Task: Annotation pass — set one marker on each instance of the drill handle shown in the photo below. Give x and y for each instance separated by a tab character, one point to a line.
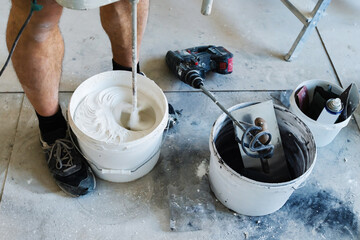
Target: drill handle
174	60
199	49
193	76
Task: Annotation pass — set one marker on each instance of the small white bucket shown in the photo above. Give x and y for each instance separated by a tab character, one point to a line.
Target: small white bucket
323	133
254	198
126	161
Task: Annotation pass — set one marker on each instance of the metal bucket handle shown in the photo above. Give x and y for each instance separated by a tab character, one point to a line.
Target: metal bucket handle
117	171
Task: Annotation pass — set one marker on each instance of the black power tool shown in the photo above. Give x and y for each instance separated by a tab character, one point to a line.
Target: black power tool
191	64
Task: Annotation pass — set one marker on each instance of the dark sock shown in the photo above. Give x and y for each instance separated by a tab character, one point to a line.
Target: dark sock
52	127
117	66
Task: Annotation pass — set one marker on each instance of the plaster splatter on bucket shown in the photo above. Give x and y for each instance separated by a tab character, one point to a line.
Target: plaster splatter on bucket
251	194
99	111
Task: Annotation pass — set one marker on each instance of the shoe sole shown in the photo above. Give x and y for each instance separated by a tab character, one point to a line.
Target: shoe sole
74	195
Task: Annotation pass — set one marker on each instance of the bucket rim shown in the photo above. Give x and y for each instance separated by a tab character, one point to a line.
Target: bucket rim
128	144
293	182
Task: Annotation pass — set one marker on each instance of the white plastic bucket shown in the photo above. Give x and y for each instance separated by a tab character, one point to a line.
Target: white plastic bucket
323	133
125	161
254	198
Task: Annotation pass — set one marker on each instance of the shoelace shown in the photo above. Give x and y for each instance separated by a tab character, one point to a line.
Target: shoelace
61	150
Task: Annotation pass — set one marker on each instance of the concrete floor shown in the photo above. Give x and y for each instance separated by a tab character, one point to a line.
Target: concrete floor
259	33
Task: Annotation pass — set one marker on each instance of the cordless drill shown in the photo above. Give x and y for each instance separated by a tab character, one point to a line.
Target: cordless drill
190	65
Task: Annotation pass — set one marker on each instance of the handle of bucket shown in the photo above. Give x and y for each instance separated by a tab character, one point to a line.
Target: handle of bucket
129	172
122	171
77	148
112	171
115	171
301	185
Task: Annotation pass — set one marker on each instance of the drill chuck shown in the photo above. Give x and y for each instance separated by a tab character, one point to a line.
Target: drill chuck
194	79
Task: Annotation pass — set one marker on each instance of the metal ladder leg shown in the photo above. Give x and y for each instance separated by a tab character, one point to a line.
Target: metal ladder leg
309	25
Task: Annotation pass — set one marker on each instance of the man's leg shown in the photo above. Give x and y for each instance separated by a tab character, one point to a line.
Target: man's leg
37	60
116	21
38	56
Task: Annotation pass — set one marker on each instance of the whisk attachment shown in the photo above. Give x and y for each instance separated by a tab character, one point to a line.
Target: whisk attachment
263	150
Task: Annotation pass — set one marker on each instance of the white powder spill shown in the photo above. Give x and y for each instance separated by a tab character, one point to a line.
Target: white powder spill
104	115
202	169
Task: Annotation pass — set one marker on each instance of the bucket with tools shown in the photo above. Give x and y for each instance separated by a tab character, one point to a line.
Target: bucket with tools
251	191
310	100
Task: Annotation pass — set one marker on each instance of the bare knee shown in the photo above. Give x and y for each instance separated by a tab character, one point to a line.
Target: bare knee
118	15
42	22
116	21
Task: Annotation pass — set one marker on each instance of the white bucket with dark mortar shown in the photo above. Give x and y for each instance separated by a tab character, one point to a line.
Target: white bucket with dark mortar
255	198
126	161
323	133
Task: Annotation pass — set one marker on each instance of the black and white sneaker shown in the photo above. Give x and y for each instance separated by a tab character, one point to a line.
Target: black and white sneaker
68	167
